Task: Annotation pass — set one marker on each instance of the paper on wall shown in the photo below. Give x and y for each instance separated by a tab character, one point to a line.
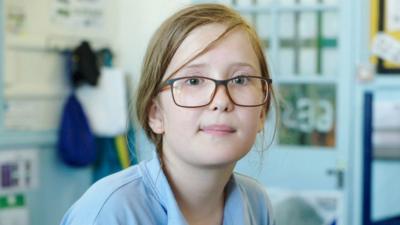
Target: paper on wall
393	15
386	47
32	114
13	210
79	13
386	115
18	170
16	16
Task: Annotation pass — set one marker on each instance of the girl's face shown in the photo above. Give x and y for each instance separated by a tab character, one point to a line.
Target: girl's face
220	133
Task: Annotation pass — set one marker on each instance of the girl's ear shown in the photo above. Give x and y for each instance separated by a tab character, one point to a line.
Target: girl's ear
156	121
261	120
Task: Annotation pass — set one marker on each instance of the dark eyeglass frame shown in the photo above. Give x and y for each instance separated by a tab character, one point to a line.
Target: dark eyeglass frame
169	84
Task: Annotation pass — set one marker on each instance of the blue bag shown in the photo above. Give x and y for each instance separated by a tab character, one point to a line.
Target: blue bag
76	142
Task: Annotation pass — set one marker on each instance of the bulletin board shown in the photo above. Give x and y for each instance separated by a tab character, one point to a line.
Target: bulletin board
33	78
385	21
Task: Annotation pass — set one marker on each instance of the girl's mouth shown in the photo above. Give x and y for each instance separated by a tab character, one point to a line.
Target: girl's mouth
218	129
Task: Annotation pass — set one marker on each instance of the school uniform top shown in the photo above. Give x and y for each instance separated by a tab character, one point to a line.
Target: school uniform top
141	195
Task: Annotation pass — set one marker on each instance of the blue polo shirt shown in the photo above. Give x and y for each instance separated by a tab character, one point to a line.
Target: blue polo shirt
141	195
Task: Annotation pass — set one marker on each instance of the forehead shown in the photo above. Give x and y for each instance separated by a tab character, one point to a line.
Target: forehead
235	47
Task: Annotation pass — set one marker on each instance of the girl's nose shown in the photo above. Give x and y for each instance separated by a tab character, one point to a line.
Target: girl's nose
221	101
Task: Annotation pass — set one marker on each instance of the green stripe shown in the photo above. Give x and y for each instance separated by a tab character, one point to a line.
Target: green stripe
297	44
307	43
319	41
12	201
329	42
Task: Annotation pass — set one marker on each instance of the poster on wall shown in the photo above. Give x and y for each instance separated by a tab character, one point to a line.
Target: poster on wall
18	170
385	36
79	13
307	115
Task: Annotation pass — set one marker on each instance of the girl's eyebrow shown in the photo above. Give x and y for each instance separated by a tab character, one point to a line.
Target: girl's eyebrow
234	64
202	67
195	66
242	64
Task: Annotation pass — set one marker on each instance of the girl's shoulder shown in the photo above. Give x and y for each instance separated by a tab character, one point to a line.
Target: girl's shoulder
255	198
124	191
249	184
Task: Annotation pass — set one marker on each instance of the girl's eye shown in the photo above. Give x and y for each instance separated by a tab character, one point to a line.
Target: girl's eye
240	80
193	81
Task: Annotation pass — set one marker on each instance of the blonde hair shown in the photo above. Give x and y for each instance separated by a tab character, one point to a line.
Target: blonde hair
167	40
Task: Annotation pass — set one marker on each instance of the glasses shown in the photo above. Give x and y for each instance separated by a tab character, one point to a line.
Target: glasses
198	91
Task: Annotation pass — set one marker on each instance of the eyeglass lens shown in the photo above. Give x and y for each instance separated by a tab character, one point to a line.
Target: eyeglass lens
197	91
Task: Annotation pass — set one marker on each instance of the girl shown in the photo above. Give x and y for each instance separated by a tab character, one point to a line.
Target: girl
204	94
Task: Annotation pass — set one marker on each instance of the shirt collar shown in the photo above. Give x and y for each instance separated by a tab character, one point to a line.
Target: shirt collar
233	210
234	204
159	183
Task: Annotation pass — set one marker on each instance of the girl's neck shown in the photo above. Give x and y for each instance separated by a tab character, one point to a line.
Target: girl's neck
199	192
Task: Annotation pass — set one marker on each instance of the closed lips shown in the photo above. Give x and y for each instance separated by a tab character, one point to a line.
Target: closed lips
218	129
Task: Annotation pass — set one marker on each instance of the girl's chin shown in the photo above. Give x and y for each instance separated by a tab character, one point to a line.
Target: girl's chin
220	160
